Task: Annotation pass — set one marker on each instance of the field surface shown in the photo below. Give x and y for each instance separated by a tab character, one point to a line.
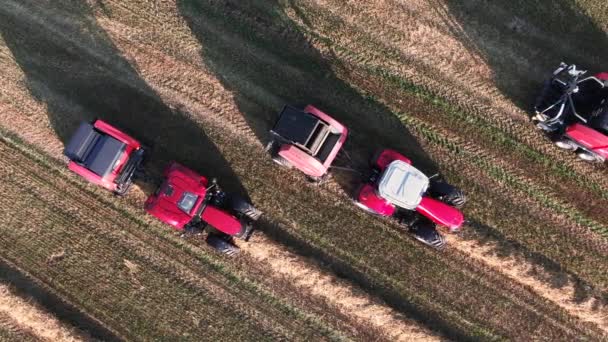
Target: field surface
448	83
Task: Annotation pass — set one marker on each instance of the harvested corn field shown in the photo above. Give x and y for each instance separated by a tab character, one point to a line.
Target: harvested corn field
448	83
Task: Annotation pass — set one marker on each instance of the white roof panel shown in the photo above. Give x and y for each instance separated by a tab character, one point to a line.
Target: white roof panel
403	185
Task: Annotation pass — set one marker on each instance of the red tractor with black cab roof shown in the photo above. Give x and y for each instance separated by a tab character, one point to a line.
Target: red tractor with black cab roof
104	155
308	140
190	203
395	188
573	111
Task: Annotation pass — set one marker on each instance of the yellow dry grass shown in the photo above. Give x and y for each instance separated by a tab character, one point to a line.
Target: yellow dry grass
31	318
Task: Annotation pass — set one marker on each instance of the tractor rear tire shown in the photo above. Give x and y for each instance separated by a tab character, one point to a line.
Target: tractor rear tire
448	193
426	232
565	144
242	206
222	244
589	157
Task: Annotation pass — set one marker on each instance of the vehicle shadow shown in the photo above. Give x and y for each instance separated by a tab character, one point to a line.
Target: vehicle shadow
72	66
549	271
256	52
523	42
27	288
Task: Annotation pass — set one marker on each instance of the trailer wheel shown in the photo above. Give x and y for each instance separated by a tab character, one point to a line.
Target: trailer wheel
222	244
242	206
425	232
447	193
271	147
282	161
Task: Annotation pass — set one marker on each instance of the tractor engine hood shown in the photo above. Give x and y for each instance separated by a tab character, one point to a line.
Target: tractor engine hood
221	220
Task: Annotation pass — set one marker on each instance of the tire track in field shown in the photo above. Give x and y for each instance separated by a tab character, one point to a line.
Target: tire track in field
28	317
11	331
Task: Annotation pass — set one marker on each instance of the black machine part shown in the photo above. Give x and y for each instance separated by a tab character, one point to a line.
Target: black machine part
222	243
305	131
96	151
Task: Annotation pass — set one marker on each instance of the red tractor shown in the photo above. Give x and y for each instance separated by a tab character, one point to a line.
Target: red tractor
189	202
573	111
104	155
397	189
308	140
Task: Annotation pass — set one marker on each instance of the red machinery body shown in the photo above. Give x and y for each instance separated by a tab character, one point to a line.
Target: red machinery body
183	197
370	194
574	111
309	139
104	155
589	139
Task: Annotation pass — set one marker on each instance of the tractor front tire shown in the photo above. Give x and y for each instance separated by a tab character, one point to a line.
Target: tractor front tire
222	244
565	144
242	206
426	232
366	208
589	157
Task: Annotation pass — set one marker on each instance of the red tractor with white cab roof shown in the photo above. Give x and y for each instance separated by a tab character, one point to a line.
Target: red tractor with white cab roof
104	155
573	111
190	203
397	189
308	140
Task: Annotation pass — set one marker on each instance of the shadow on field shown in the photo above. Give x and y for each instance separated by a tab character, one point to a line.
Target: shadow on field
257	53
25	287
72	66
551	272
524	41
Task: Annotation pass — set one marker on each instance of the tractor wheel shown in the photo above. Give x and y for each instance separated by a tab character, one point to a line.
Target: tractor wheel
565	144
425	232
282	161
448	193
222	244
242	206
366	208
588	156
122	189
271	147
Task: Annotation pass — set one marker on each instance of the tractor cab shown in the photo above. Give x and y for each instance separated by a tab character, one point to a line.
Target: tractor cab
308	140
189	202
179	198
104	155
403	185
397	189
